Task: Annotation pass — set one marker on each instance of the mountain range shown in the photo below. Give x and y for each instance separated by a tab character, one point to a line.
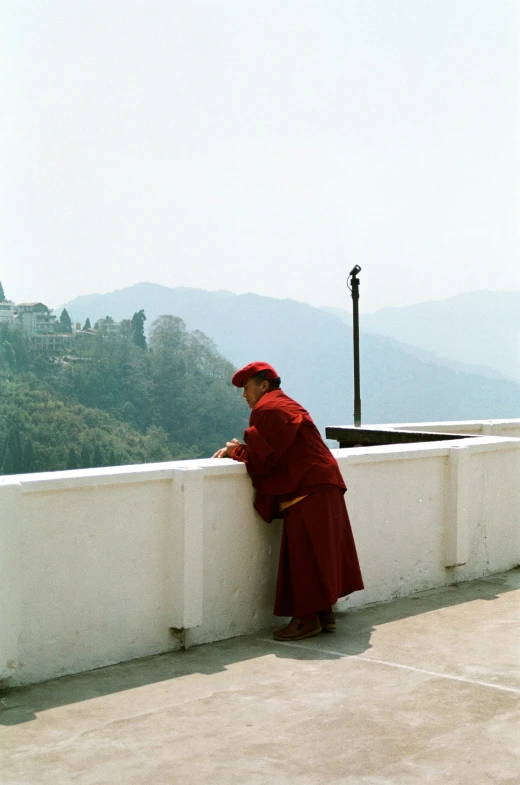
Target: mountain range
481	328
312	350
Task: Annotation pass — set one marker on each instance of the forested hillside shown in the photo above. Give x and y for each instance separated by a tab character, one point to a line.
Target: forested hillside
114	399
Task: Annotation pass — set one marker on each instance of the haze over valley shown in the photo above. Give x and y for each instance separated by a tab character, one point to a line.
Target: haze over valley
312	350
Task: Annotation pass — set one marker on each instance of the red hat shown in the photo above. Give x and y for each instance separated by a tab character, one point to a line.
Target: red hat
253	369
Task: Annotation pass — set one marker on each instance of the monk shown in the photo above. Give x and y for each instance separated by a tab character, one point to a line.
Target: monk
296	477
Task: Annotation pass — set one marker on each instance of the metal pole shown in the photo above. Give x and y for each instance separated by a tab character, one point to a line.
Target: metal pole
355	313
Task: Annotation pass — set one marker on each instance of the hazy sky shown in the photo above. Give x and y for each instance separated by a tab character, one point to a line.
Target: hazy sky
260	145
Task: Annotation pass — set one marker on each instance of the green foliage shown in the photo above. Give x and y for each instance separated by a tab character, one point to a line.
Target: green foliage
137	326
84	460
72	459
158	446
16	456
191	394
41	366
7	466
9	355
115	378
29	458
87	325
98	459
2	295
110	401
54	426
15	447
65	322
14	348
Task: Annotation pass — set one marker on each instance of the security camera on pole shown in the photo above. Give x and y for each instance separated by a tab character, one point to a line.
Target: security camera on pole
353	285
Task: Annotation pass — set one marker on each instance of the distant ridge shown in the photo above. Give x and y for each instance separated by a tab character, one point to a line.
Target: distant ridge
312	350
481	328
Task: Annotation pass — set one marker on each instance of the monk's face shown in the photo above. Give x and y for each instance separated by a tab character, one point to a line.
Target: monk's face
253	391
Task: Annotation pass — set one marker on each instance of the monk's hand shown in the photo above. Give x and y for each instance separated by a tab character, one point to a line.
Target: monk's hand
225	452
230	446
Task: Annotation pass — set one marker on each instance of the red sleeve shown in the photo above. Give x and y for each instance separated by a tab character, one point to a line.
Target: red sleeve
266	442
240	453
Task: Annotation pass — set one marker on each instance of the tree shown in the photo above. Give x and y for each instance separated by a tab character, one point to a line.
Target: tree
41	366
9	355
114	376
7	466
65	321
2	295
54	425
14	340
190	394
158	444
172	402
29	459
14	445
87	325
97	460
72	460
84	460
138	336
19	343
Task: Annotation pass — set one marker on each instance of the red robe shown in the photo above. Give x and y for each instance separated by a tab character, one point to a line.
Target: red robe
286	457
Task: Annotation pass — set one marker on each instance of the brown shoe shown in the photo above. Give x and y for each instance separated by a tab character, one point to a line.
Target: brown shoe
296	630
327	620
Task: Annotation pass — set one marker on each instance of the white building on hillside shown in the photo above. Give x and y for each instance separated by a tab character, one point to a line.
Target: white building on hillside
107	326
7	312
36	318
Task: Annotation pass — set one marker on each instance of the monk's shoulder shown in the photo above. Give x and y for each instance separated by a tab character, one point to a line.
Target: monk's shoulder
278	407
274	405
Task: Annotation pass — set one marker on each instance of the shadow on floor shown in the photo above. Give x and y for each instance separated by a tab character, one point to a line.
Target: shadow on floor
355	627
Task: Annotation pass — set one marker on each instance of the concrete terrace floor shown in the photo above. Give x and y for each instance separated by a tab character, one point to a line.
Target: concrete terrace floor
425	689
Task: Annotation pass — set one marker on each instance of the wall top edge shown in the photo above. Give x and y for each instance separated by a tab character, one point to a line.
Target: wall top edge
120	475
396	452
512	423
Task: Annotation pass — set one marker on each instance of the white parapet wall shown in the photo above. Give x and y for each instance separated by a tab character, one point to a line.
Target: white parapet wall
509	428
105	565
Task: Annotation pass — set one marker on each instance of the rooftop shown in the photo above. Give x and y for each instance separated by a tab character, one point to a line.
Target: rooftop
424	689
